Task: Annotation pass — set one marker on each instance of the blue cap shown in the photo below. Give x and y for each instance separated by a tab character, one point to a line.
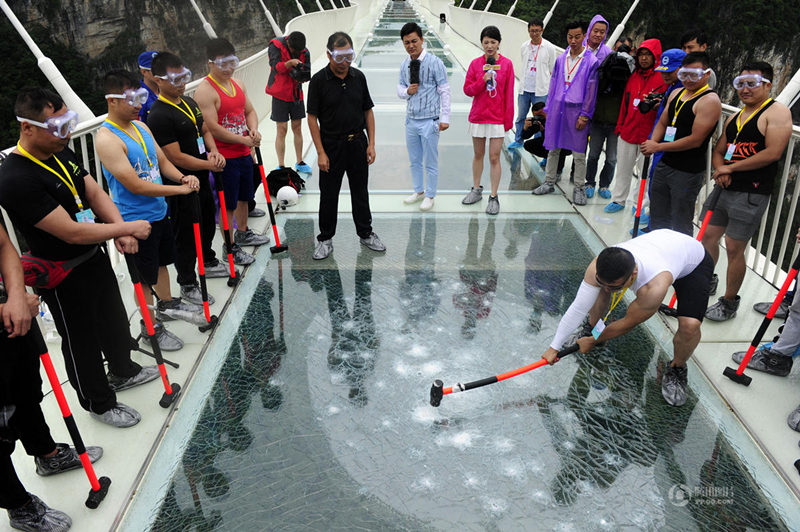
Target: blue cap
146	59
671	60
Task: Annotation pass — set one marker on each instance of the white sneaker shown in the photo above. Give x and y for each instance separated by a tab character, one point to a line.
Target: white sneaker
427	204
413	198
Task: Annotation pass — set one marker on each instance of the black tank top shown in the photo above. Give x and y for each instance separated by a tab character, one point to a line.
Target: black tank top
749	142
692	160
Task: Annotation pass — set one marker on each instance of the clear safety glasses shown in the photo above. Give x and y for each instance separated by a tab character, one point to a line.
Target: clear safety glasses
751	81
230	62
340	56
692	74
59	126
178	78
133	97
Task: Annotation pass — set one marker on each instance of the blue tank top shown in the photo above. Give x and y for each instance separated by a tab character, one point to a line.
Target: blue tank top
135	206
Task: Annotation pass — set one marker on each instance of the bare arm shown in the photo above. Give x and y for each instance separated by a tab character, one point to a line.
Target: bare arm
20	307
251	118
208	100
59	224
778	127
101	204
322	157
718	153
705	121
370	119
647	301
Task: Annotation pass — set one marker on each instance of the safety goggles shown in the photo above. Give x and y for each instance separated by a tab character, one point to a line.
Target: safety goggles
692	74
340	56
178	78
59	126
751	81
133	97
611	287
230	62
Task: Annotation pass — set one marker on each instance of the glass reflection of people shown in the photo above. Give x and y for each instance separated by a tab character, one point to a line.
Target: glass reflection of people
479	275
419	290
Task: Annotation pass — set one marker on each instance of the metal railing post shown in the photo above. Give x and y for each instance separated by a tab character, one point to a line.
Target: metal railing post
275	29
549	14
206	26
511	9
621	26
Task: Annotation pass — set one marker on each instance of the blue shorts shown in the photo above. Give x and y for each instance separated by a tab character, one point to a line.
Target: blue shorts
237	181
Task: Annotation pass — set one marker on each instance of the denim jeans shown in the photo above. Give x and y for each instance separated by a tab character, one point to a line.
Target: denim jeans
524	103
599	134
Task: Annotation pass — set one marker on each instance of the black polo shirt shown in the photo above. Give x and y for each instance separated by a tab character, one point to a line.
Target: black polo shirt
169	125
339	104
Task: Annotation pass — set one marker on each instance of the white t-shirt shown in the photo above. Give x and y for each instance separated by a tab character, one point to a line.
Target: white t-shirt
663	250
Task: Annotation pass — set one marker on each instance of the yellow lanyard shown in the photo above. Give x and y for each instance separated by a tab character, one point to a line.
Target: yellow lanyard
190	114
140	142
616	298
679	104
739	126
233	87
68	181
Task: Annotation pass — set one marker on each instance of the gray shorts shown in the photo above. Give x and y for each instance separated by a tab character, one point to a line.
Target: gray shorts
282	111
739	212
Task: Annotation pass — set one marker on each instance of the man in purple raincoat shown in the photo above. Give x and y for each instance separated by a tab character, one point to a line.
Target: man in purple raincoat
598	29
569	109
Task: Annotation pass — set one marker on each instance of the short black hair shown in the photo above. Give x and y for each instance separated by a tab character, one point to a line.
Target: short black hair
625	40
219	48
339	39
409	28
163	61
296	41
694	34
614	263
575	24
492	32
32	101
759	66
535	22
116	81
697	57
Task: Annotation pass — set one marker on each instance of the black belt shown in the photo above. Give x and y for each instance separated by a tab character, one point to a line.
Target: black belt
349	137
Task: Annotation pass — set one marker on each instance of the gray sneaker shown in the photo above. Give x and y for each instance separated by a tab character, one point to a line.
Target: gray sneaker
241	257
474	196
166	340
215	269
544	188
146	374
781	313
766	360
373	242
494	205
794	419
192	294
712	287
37	516
673	385
579	196
176	308
65	459
249	238
723	310
120	415
323	249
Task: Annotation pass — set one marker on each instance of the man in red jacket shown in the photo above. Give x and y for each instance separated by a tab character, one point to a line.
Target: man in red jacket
634	126
290	65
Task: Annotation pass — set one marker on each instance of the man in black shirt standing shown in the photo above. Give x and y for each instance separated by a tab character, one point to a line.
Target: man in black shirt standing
64	214
178	127
339	108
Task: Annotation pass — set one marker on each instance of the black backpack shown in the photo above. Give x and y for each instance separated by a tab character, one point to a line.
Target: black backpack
614	72
282	177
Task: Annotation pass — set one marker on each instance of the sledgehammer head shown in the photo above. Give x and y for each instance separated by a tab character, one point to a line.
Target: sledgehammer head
437	392
278	249
96	497
735	377
168	398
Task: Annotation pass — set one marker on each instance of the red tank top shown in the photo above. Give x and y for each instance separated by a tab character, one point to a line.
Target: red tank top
230	115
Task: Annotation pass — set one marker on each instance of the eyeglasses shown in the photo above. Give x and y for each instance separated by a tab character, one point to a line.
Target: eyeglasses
133	97
535	31
178	78
59	126
612	287
692	74
751	81
230	62
340	56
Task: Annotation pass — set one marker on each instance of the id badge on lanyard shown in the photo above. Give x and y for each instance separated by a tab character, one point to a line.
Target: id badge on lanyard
154	174
85	216
669	136
201	145
598	329
729	152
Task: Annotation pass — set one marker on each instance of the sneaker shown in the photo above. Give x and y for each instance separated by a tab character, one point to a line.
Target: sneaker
766	360
793	420
427	204
673	385
146	374
579	196
191	294
256	213
241	257
167	341
723	309
323	249
214	269
37	516
544	188
65	459
515	145
302	168
373	242
249	238
589	190
413	198
613	207
493	207
604	193
164	309
474	196
712	286
119	415
781	313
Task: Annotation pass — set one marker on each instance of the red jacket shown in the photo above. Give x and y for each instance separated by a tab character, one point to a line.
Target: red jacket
634	126
280	84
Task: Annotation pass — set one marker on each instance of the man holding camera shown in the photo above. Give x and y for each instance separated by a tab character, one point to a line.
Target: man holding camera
290	65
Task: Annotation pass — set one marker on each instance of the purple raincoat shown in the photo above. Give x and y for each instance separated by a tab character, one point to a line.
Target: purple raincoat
566	104
603	50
